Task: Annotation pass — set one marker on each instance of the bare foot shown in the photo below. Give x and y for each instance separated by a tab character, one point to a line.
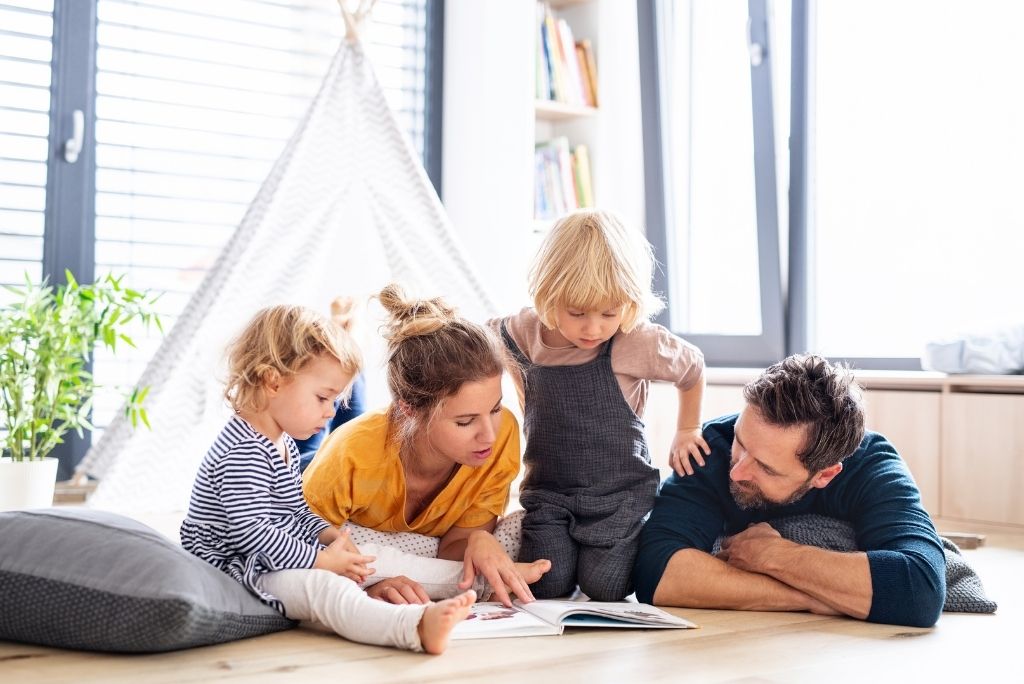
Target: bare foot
440	618
532	572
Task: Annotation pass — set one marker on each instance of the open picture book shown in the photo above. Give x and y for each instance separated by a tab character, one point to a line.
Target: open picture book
545	618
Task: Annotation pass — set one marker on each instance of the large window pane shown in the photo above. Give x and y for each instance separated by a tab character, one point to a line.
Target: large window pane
710	179
918	226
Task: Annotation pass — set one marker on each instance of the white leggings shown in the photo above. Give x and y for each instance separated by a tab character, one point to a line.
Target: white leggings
414	556
325	599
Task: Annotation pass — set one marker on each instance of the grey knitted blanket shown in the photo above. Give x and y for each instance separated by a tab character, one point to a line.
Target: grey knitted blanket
964	592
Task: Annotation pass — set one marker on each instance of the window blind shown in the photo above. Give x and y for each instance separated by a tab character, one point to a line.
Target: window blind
194	102
26	31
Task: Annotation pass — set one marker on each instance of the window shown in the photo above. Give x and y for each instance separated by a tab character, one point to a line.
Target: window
193	102
917	228
26	30
720	256
901	220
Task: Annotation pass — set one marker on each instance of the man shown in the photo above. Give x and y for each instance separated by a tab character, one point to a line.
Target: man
798	447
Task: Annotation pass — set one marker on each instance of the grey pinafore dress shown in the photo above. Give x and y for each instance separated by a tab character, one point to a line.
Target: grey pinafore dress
589	481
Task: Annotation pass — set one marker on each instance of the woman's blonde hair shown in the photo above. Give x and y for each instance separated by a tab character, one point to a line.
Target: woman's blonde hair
432	352
590	260
277	343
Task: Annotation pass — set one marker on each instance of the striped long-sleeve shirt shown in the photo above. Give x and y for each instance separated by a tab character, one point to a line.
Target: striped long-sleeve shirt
247	515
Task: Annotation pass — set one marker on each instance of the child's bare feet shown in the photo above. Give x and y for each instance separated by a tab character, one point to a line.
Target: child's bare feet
440	618
532	572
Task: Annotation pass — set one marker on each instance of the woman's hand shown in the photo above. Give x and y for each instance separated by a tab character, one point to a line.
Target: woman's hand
485	556
398	590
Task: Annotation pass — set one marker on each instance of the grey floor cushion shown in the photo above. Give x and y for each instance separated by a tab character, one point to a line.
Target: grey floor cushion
94	580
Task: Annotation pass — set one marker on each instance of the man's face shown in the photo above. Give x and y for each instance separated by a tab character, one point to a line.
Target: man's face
765	469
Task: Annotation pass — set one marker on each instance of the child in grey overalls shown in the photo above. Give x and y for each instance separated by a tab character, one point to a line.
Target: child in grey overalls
587	354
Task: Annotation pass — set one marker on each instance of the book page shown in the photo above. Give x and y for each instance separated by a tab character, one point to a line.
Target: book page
617	614
493	620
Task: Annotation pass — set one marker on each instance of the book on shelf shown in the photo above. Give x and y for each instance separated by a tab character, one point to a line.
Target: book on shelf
545	74
574	84
581	174
566	70
589	66
562	178
550	618
566	179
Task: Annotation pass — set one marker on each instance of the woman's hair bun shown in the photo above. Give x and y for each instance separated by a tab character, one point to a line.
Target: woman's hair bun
412	317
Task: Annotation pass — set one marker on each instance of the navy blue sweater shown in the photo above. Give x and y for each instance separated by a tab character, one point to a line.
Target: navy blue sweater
874	492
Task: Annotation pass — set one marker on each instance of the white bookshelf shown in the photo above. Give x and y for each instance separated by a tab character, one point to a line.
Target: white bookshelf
578	123
549	110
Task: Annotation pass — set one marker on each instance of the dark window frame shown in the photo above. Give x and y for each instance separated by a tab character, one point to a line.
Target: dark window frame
719	350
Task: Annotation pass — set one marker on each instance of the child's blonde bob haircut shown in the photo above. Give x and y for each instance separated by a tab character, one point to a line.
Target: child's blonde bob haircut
277	343
591	261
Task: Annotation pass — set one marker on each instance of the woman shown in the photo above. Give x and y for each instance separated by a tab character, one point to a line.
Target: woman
439	461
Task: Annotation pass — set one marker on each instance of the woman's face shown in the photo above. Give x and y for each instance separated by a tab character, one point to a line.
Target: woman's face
464	429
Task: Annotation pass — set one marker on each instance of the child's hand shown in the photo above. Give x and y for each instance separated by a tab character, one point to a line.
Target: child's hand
330	534
688	443
350	546
340	560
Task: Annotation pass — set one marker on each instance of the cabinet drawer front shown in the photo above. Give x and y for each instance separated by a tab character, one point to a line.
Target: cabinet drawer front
983	460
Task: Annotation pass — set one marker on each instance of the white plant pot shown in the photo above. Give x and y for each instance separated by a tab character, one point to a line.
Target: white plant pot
27	484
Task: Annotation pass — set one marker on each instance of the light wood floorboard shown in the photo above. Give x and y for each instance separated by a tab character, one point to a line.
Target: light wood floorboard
730	646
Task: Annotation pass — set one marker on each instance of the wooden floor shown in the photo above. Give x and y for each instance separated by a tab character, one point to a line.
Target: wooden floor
730	646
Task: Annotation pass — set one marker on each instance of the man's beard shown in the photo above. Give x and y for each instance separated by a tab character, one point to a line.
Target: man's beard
753	497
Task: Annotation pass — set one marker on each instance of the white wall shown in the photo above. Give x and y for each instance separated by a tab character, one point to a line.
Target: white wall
487	176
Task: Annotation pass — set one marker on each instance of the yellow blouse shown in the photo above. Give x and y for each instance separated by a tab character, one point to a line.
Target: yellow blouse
357	475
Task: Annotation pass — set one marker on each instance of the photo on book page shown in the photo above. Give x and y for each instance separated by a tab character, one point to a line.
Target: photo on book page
493	621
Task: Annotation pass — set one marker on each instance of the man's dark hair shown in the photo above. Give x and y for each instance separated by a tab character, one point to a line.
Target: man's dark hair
805	389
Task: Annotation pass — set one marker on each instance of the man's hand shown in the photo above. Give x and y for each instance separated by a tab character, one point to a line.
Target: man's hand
761	549
751	549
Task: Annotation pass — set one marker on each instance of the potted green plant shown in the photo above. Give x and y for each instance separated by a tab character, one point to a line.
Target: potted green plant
47	338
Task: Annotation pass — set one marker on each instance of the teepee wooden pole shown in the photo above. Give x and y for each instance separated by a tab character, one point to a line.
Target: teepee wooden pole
354	18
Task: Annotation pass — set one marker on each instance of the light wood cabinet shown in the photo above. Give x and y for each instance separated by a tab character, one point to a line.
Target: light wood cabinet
983	457
910	421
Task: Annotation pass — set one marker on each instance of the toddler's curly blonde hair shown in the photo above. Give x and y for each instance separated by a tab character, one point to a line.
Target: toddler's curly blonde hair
277	343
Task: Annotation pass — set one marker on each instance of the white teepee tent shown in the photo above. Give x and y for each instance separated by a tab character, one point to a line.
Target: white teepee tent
346	209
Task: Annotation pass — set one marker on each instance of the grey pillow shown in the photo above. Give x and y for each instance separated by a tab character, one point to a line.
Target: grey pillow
94	580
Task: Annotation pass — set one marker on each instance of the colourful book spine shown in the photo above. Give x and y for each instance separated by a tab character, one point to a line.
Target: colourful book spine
588	97
588	51
544	54
581	172
574	87
568	184
555	59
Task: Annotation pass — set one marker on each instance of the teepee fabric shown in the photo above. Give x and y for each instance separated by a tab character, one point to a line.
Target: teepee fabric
346	209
